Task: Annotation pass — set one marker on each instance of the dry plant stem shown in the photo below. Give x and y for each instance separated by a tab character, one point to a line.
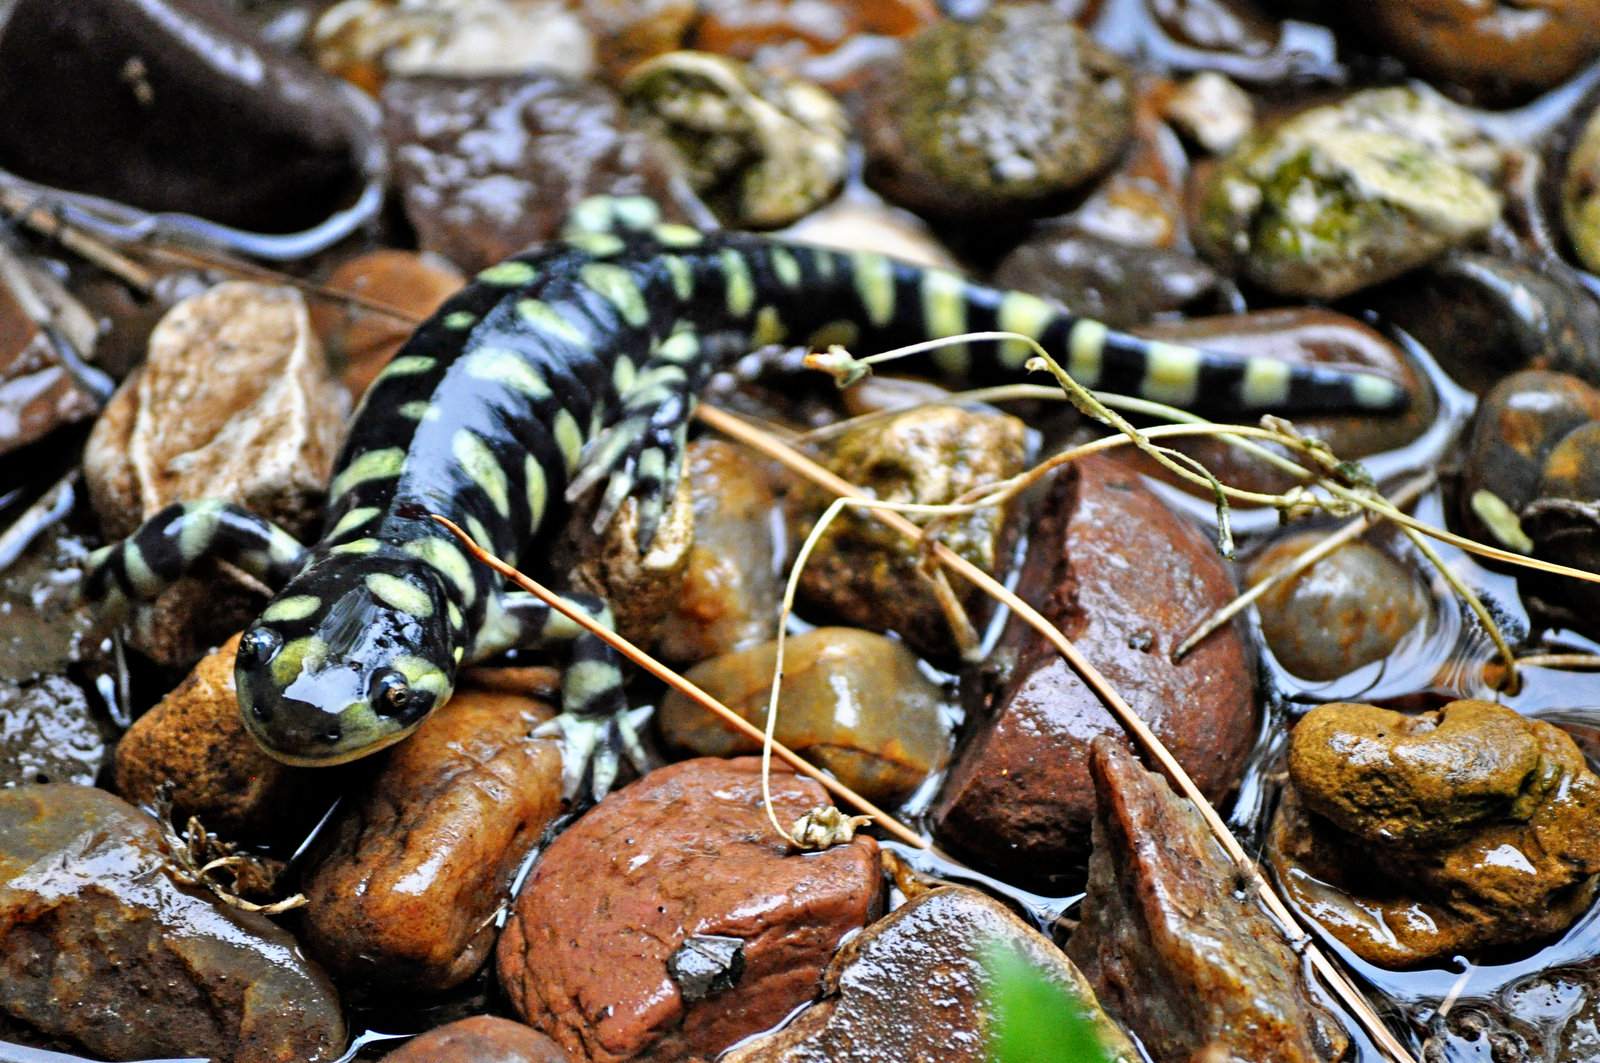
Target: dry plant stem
1326	969
683	686
1302	561
1586	661
42	220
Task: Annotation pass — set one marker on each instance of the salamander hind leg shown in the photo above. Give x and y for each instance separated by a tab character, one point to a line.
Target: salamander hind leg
594	726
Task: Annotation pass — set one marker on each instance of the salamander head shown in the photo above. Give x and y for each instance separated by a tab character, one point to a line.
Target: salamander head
350	657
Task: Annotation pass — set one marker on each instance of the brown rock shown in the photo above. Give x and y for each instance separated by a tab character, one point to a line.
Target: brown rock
853	701
404	888
1019	796
869	575
99	945
480	1039
640	587
1171	949
360	341
193	743
730	593
687	850
489	165
776	32
37	393
943	938
1416	838
236	403
628	32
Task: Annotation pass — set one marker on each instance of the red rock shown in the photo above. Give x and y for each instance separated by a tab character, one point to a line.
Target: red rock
480	1039
1126	579
687	850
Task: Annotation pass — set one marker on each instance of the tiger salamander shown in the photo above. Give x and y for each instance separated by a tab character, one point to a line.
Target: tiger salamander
561	369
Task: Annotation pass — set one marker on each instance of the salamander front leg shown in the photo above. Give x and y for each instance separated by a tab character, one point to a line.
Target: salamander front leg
170	544
594	728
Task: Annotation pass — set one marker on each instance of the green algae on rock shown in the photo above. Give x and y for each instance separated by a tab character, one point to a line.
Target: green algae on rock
1341	197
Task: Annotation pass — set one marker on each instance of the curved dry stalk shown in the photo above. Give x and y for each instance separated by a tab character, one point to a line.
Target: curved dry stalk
1587	661
1336	980
47	223
682	685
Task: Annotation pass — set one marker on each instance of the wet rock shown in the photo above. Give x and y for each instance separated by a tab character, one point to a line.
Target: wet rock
819	40
1122	286
942	939
405	883
360	341
1412	839
1002	116
1301	336
852	702
99	945
867	574
487	166
1580	192
38	390
44	627
1483	316
1553	1014
1141	202
48	733
1019	797
1195	968
1500	53
480	1039
198	114
1212	111
861	222
1342	197
686	850
193	746
1349	609
762	151
367	42
1514	435
730	594
1566	532
234	402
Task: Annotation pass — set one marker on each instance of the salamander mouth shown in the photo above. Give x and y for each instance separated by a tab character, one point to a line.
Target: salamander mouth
317	747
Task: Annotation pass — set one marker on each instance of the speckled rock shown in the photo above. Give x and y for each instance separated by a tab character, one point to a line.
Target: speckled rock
1412	839
762	151
867	574
404	884
1019	798
852	702
1349	609
1195	968
233	402
1342	197
193	743
101	947
687	850
49	734
939	942
730	593
1001	116
487	166
480	1039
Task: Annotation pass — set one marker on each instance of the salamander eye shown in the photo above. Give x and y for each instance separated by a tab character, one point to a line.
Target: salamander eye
390	693
259	644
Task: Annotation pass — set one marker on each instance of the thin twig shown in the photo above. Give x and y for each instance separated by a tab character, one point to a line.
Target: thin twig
1335	978
682	685
47	223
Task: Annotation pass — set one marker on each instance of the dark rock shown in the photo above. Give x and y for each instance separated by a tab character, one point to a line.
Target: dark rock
1412	839
488	165
44	627
869	575
197	113
852	701
1349	609
49	734
100	946
945	940
1553	1014
706	964
404	885
234	402
685	851
1194	967
1111	282
730	594
193	747
480	1039
1019	796
1003	116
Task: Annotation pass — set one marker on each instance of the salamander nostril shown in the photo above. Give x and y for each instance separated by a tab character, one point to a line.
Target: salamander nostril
391	694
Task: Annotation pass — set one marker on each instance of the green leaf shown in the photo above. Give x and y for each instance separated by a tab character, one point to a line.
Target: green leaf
1034	1018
